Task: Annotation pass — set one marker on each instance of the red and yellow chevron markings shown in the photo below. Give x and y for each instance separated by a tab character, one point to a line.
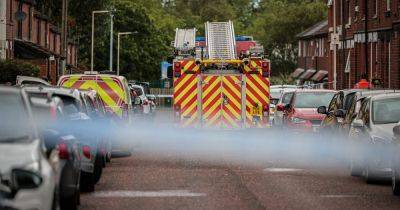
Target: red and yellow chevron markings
232	102
254	65
211	101
257	92
189	65
110	89
185	96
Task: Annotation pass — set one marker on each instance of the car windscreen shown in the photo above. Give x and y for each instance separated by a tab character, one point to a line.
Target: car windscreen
14	118
386	111
275	93
138	90
313	99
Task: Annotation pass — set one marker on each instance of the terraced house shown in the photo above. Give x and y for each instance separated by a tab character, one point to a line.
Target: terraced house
363	39
31	36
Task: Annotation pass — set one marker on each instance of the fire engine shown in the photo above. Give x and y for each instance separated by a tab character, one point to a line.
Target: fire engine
221	81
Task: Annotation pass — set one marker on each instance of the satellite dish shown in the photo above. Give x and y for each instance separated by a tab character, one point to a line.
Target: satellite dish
20	16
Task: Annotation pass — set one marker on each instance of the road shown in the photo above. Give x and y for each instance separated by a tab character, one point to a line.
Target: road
145	181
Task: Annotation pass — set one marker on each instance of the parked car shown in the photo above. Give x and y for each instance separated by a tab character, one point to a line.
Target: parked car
113	90
285	99
300	114
28	178
80	125
396	161
48	113
372	136
342	110
276	92
26	80
142	105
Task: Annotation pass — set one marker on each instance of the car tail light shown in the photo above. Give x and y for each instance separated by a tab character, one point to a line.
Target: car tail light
177	69
63	150
145	102
266	111
86	152
53	112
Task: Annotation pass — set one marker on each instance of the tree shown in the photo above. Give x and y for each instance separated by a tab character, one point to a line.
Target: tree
10	69
278	23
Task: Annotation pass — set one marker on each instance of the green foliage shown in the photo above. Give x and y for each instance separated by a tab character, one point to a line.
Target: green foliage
282	79
10	69
278	23
274	23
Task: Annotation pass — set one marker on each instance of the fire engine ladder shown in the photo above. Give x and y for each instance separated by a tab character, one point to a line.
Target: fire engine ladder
220	40
185	40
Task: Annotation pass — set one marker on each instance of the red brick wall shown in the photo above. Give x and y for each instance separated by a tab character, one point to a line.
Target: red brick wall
378	58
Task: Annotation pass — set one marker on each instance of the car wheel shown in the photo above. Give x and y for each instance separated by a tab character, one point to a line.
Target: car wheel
369	175
98	168
395	182
355	169
70	203
87	182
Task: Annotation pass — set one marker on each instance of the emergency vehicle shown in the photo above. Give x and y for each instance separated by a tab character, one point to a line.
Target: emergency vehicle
113	90
215	86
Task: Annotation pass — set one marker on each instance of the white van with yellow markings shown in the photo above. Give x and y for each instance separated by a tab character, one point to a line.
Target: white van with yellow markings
113	90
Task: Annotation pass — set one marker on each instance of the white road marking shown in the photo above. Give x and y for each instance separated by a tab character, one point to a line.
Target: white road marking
340	196
149	194
283	169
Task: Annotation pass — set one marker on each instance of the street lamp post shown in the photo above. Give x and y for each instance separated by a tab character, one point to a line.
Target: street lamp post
92	48
118	45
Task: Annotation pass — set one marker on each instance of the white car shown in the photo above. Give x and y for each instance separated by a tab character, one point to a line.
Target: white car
141	99
28	178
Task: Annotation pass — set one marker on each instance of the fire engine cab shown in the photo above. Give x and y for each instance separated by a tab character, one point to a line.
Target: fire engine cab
218	84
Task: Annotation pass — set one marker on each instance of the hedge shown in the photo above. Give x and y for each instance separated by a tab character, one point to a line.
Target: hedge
10	69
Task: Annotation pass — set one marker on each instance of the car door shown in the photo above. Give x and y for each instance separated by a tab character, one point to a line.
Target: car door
286	98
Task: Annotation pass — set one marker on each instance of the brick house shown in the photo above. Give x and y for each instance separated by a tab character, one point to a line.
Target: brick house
31	36
313	54
374	54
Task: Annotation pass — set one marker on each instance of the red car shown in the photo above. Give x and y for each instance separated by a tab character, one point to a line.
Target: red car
301	113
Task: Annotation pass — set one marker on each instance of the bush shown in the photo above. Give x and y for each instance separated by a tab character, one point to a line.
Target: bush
10	69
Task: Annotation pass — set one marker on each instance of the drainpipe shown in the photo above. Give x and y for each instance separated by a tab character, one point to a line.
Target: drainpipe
389	64
334	45
366	39
343	44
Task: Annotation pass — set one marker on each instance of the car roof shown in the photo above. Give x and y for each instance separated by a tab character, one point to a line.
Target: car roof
385	96
55	90
314	91
10	89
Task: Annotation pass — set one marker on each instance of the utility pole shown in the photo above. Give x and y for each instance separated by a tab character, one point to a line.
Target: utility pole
118	45
111	39
92	47
64	36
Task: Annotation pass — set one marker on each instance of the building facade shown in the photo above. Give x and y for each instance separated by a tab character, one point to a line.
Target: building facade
31	36
366	36
313	54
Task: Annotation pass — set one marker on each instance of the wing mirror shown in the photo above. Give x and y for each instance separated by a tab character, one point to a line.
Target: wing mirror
322	110
358	123
24	179
280	107
396	130
340	113
288	107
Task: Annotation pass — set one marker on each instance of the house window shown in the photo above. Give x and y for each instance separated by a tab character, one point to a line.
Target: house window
388	5
300	49
348	12
375	8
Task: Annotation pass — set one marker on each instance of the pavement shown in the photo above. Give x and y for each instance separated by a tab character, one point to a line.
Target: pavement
147	181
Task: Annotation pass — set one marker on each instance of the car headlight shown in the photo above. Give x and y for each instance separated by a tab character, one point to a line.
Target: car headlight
297	120
34	166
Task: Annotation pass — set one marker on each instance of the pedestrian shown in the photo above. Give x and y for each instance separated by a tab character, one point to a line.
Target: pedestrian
363	83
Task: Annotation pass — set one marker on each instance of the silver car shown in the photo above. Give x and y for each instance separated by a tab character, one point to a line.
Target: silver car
371	135
28	177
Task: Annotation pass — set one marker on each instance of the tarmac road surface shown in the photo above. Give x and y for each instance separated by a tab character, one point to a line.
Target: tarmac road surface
144	181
